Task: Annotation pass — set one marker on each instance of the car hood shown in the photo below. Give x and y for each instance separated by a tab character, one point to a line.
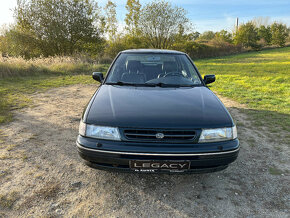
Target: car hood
157	107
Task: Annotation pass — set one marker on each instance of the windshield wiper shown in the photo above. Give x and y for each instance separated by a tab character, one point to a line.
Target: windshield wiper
168	85
187	85
160	84
120	83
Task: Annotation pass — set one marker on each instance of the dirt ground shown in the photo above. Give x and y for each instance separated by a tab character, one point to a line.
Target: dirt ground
42	175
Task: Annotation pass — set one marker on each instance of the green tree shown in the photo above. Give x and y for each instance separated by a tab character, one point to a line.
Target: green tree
59	27
279	34
19	43
264	32
124	42
194	35
160	23
207	35
247	36
183	37
224	35
288	37
132	17
111	20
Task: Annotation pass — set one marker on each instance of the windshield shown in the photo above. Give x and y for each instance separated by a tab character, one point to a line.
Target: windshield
153	69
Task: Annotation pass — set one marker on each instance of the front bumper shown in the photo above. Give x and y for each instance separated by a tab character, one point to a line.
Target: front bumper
116	155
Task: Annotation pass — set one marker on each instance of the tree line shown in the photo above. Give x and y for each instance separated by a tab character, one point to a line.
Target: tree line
70	27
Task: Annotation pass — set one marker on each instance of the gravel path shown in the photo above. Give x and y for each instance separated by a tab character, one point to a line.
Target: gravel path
42	175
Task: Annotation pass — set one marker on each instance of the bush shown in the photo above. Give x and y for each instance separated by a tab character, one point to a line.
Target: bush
124	43
206	36
247	36
113	48
105	60
279	34
212	49
223	36
264	33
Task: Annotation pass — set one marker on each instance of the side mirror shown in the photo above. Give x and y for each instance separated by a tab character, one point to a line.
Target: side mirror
209	79
98	76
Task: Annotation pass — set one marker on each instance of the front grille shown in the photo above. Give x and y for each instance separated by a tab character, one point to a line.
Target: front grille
164	135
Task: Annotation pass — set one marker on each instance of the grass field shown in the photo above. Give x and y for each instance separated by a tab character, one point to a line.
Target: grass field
258	79
261	80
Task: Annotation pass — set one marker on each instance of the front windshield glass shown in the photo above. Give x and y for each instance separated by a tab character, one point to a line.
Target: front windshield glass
153	69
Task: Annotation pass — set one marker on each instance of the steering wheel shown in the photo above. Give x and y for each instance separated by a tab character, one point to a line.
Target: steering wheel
173	74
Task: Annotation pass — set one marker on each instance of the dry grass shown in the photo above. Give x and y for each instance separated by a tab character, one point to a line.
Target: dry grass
17	66
7	201
46	61
8	154
3	173
49	191
10	147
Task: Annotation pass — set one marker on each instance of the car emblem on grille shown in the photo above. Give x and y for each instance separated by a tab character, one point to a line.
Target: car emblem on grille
159	135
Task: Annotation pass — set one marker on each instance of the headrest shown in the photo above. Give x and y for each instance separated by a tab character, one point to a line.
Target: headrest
169	66
133	66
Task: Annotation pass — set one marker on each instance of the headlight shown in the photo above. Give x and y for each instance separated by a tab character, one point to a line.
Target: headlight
216	135
99	132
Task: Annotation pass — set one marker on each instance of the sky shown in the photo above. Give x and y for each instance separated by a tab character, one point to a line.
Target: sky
204	14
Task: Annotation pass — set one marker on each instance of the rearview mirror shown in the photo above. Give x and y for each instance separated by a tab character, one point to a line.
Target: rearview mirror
98	76
209	79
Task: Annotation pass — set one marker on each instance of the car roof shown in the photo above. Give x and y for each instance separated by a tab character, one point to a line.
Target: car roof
157	51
